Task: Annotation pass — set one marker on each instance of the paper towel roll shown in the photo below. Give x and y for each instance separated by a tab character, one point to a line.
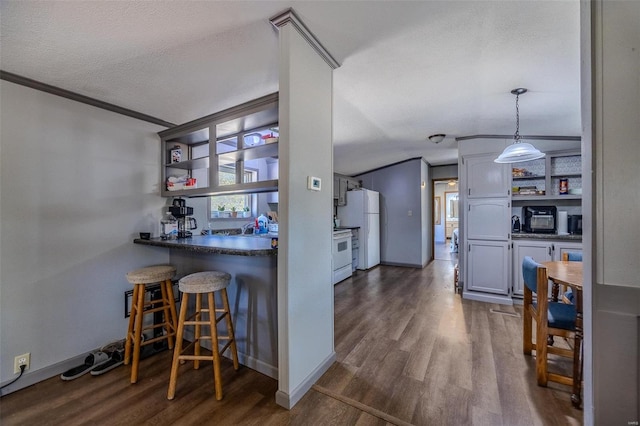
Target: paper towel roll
562	223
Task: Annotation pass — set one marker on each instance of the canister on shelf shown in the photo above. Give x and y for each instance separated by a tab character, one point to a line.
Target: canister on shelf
564	186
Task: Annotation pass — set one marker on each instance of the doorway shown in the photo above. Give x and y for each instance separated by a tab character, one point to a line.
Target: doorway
445	219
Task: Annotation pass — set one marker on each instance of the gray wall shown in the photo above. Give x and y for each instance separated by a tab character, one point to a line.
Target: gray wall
444	172
401	192
78	183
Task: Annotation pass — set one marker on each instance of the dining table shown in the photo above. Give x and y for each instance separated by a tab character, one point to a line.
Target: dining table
569	274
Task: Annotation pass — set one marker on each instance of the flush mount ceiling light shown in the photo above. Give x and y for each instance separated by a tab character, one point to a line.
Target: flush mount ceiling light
518	151
437	138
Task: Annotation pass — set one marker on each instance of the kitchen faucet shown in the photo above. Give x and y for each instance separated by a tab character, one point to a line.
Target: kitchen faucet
246	226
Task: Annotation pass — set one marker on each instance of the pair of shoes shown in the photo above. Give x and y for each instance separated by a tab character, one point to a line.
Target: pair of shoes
116	360
113	346
92	361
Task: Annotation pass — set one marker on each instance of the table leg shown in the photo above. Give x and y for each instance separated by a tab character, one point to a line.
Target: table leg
577	354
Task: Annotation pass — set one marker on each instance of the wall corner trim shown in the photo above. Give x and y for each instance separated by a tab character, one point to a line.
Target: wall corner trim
288	400
289	17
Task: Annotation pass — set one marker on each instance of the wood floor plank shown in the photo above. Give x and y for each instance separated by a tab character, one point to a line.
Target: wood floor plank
406	346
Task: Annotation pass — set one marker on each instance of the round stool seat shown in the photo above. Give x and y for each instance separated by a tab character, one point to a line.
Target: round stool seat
204	282
151	274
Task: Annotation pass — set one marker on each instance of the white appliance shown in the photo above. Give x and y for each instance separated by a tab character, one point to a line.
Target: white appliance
363	210
341	255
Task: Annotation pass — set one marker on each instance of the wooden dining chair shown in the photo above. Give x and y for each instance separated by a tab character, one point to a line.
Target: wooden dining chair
569	256
552	319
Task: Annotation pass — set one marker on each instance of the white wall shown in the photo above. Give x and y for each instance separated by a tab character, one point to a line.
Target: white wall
611	125
426	212
401	220
438	230
305	290
77	185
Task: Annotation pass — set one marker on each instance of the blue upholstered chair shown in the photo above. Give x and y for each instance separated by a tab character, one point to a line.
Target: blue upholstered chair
571	256
552	319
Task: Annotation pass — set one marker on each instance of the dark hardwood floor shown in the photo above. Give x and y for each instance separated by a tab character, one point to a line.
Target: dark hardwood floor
409	351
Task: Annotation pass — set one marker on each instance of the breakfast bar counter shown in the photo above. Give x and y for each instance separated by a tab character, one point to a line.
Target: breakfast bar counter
253	266
237	245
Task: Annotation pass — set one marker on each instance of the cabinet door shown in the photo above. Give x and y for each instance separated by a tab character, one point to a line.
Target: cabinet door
488	266
540	251
342	192
336	188
565	247
486	178
488	219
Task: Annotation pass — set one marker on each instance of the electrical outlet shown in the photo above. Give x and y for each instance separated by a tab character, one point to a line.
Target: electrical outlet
23	359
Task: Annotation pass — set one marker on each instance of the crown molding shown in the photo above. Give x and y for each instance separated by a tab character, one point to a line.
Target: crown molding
289	17
43	87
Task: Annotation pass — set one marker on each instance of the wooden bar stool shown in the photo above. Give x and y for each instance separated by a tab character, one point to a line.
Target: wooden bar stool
166	304
204	282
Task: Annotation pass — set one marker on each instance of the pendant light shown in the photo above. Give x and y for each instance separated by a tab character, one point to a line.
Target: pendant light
518	151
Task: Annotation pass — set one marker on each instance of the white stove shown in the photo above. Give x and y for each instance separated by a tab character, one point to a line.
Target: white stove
341	255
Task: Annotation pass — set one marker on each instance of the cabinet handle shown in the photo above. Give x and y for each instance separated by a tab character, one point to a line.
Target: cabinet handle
549	251
469	247
508	192
469	191
553	247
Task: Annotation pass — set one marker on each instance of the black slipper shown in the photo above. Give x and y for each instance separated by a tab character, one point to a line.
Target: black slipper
92	361
116	360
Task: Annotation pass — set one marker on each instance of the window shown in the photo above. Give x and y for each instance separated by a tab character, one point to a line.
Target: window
218	203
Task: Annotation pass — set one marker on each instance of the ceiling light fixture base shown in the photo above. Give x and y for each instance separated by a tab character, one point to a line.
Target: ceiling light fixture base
437	138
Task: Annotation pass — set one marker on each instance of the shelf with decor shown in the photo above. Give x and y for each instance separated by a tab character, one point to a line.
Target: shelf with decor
540	179
234	151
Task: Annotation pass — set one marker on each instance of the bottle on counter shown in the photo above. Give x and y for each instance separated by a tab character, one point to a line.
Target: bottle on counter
262	224
169	227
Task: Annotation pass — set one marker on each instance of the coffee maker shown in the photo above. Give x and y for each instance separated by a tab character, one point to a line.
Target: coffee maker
181	212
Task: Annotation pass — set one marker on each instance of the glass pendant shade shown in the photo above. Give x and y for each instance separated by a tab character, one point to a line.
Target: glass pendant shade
519	152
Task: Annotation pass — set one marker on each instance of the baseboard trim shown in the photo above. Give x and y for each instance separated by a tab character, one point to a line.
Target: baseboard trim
289	400
42	374
489	298
244	359
405	265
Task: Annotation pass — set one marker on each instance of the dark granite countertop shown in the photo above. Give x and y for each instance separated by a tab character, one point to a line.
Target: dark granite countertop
525	236
235	245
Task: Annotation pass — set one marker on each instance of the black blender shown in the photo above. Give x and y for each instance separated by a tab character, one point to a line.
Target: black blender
181	212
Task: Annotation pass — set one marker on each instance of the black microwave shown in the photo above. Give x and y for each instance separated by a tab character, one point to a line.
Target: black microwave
540	219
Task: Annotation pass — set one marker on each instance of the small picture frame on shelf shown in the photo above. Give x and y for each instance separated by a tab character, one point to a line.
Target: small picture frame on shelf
176	155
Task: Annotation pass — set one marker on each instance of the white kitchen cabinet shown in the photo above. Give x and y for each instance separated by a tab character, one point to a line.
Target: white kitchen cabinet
488	219
560	247
486	179
340	186
488	265
540	251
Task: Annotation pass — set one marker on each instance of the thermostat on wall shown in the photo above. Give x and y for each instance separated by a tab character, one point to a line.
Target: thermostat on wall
314	183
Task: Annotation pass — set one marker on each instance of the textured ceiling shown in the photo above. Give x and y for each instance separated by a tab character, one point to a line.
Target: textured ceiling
409	69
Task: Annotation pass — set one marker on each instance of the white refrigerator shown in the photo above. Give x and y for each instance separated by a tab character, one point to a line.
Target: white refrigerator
363	210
